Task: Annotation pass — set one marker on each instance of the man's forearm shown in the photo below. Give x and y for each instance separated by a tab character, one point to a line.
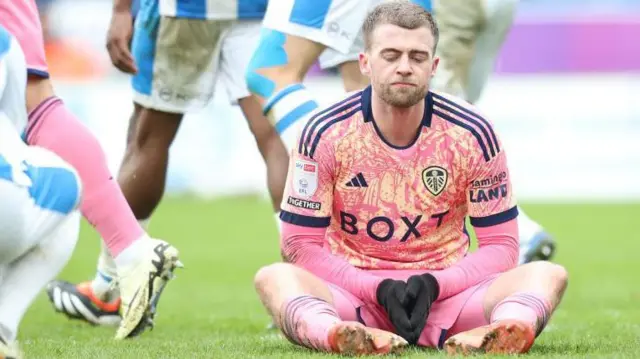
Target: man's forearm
497	253
303	247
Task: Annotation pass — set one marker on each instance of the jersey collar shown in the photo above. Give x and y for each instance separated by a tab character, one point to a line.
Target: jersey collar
367	115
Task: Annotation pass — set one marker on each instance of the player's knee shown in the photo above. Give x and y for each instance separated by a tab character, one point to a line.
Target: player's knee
70	189
59	184
555	275
270	67
268	275
559	276
269	53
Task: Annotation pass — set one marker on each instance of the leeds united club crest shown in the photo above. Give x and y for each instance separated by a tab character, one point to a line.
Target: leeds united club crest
435	179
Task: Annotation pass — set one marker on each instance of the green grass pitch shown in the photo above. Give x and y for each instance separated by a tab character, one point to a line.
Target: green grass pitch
211	309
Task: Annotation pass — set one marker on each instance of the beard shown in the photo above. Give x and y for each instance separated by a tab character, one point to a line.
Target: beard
404	96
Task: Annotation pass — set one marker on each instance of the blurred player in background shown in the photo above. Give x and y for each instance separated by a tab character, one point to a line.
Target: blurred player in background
373	218
144	264
296	34
179	50
472	34
39	220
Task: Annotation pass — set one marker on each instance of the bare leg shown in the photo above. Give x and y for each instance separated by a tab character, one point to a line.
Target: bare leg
301	54
284	99
270	146
352	77
144	168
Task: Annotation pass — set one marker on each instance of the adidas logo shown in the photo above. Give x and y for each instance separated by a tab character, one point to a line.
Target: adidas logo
358	181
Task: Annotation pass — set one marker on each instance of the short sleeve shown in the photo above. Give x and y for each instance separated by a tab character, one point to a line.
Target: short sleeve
490	198
308	195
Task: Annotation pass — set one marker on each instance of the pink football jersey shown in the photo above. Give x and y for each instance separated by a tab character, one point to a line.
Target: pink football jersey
387	207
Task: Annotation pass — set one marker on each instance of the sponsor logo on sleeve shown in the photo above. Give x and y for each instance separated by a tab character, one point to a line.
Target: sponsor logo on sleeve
490	181
490	188
305	178
478	195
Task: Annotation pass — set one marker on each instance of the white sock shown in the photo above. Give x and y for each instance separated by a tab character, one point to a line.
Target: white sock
26	277
527	228
288	109
105	274
107	268
132	253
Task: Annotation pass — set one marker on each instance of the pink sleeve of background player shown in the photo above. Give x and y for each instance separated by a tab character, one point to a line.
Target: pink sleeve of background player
303	246
497	252
22	20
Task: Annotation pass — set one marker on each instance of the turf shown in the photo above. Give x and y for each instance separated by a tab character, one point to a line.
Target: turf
211	309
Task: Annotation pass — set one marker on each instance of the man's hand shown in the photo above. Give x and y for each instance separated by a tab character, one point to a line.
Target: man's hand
408	304
391	295
422	291
118	39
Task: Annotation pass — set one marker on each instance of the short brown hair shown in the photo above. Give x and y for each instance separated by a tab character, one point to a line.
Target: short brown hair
402	13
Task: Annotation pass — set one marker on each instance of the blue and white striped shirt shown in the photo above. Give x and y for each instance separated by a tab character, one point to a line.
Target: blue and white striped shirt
214	9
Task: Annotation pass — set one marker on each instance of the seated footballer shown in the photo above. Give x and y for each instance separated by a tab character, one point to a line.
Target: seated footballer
373	217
